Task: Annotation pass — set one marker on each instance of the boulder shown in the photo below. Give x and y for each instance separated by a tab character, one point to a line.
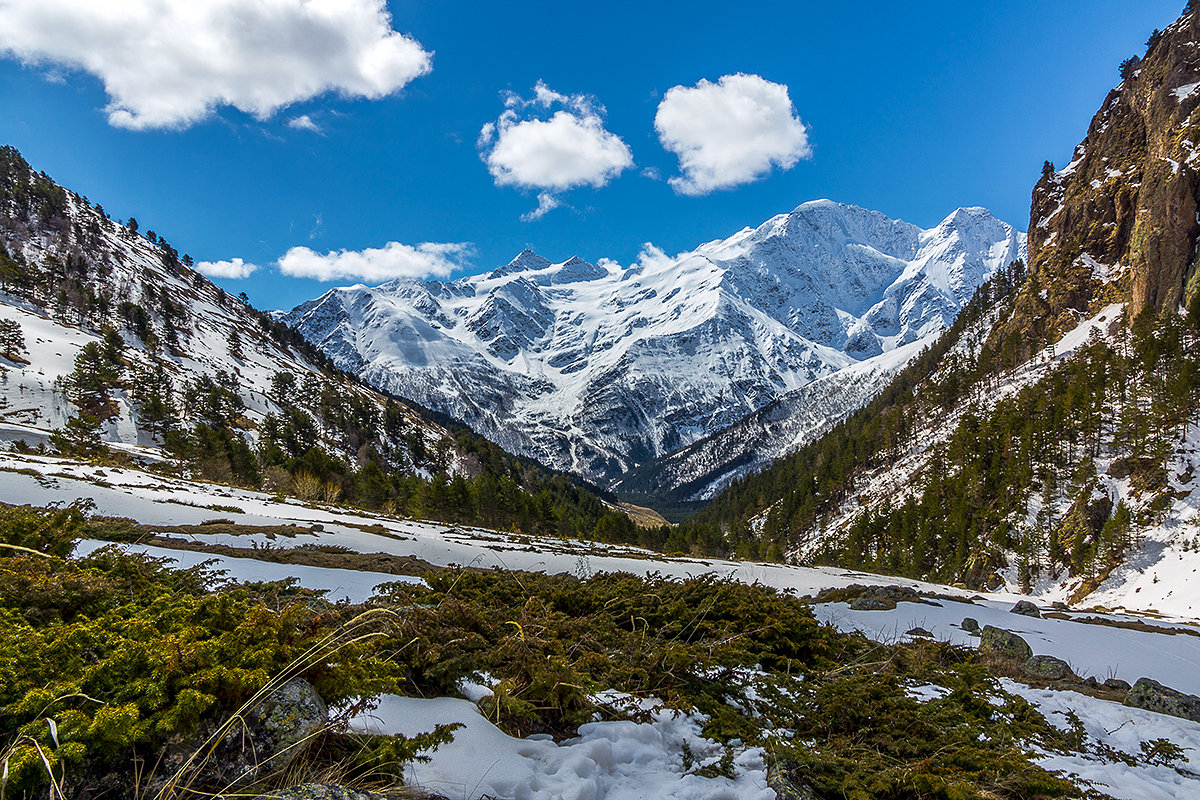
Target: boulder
919	632
1153	696
287	717
1005	644
871	604
1048	668
970	625
1117	684
270	734
1026	609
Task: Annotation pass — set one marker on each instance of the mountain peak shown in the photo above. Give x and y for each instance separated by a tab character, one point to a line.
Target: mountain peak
592	369
525	261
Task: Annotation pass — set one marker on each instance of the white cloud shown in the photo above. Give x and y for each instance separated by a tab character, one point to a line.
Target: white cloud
304	123
169	64
546	203
729	132
571	148
234	268
376	265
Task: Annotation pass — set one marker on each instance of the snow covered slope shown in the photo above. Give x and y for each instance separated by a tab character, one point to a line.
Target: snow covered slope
701	470
595	368
68	271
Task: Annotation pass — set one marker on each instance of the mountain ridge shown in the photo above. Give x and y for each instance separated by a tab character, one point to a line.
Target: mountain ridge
596	368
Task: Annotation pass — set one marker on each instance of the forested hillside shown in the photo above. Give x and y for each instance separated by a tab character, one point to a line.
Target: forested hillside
114	347
1050	436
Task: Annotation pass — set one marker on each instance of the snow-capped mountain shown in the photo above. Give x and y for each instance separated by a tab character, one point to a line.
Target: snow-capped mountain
595	368
698	472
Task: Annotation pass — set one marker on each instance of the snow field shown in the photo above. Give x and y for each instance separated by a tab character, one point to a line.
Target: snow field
620	760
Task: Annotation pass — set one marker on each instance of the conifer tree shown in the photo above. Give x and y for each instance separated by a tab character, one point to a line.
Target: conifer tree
12	339
79	437
234	343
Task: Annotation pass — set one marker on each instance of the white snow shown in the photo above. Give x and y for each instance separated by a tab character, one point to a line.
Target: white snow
1100	651
1125	729
621	760
572	362
1184	92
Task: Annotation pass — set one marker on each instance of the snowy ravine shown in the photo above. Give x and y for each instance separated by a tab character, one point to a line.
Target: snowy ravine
596	368
627	759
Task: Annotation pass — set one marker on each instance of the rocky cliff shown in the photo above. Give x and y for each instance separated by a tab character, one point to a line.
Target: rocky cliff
1120	221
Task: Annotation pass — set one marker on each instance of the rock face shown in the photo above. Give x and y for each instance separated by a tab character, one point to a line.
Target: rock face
1004	644
1120	221
1153	696
596	368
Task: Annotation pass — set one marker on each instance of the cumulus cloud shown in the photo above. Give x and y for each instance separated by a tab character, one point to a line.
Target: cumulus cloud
304	123
233	268
376	265
730	132
567	149
168	64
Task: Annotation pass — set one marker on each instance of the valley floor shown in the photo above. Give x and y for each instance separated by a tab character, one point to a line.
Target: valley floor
626	759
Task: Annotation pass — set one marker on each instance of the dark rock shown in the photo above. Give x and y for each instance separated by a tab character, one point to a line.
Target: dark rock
785	778
871	604
970	625
1059	605
1118	684
1091	681
1048	668
1005	644
919	632
1026	609
1153	696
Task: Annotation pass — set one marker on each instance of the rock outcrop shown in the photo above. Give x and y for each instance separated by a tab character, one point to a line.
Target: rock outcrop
1119	223
1153	696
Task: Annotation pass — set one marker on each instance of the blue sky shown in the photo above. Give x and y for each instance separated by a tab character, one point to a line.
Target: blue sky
912	109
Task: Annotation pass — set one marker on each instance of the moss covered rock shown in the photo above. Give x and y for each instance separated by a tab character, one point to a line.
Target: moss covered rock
1048	668
1005	644
1026	609
1153	696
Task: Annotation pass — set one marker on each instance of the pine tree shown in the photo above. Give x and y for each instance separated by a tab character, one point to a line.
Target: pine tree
89	384
153	393
234	343
80	437
12	340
